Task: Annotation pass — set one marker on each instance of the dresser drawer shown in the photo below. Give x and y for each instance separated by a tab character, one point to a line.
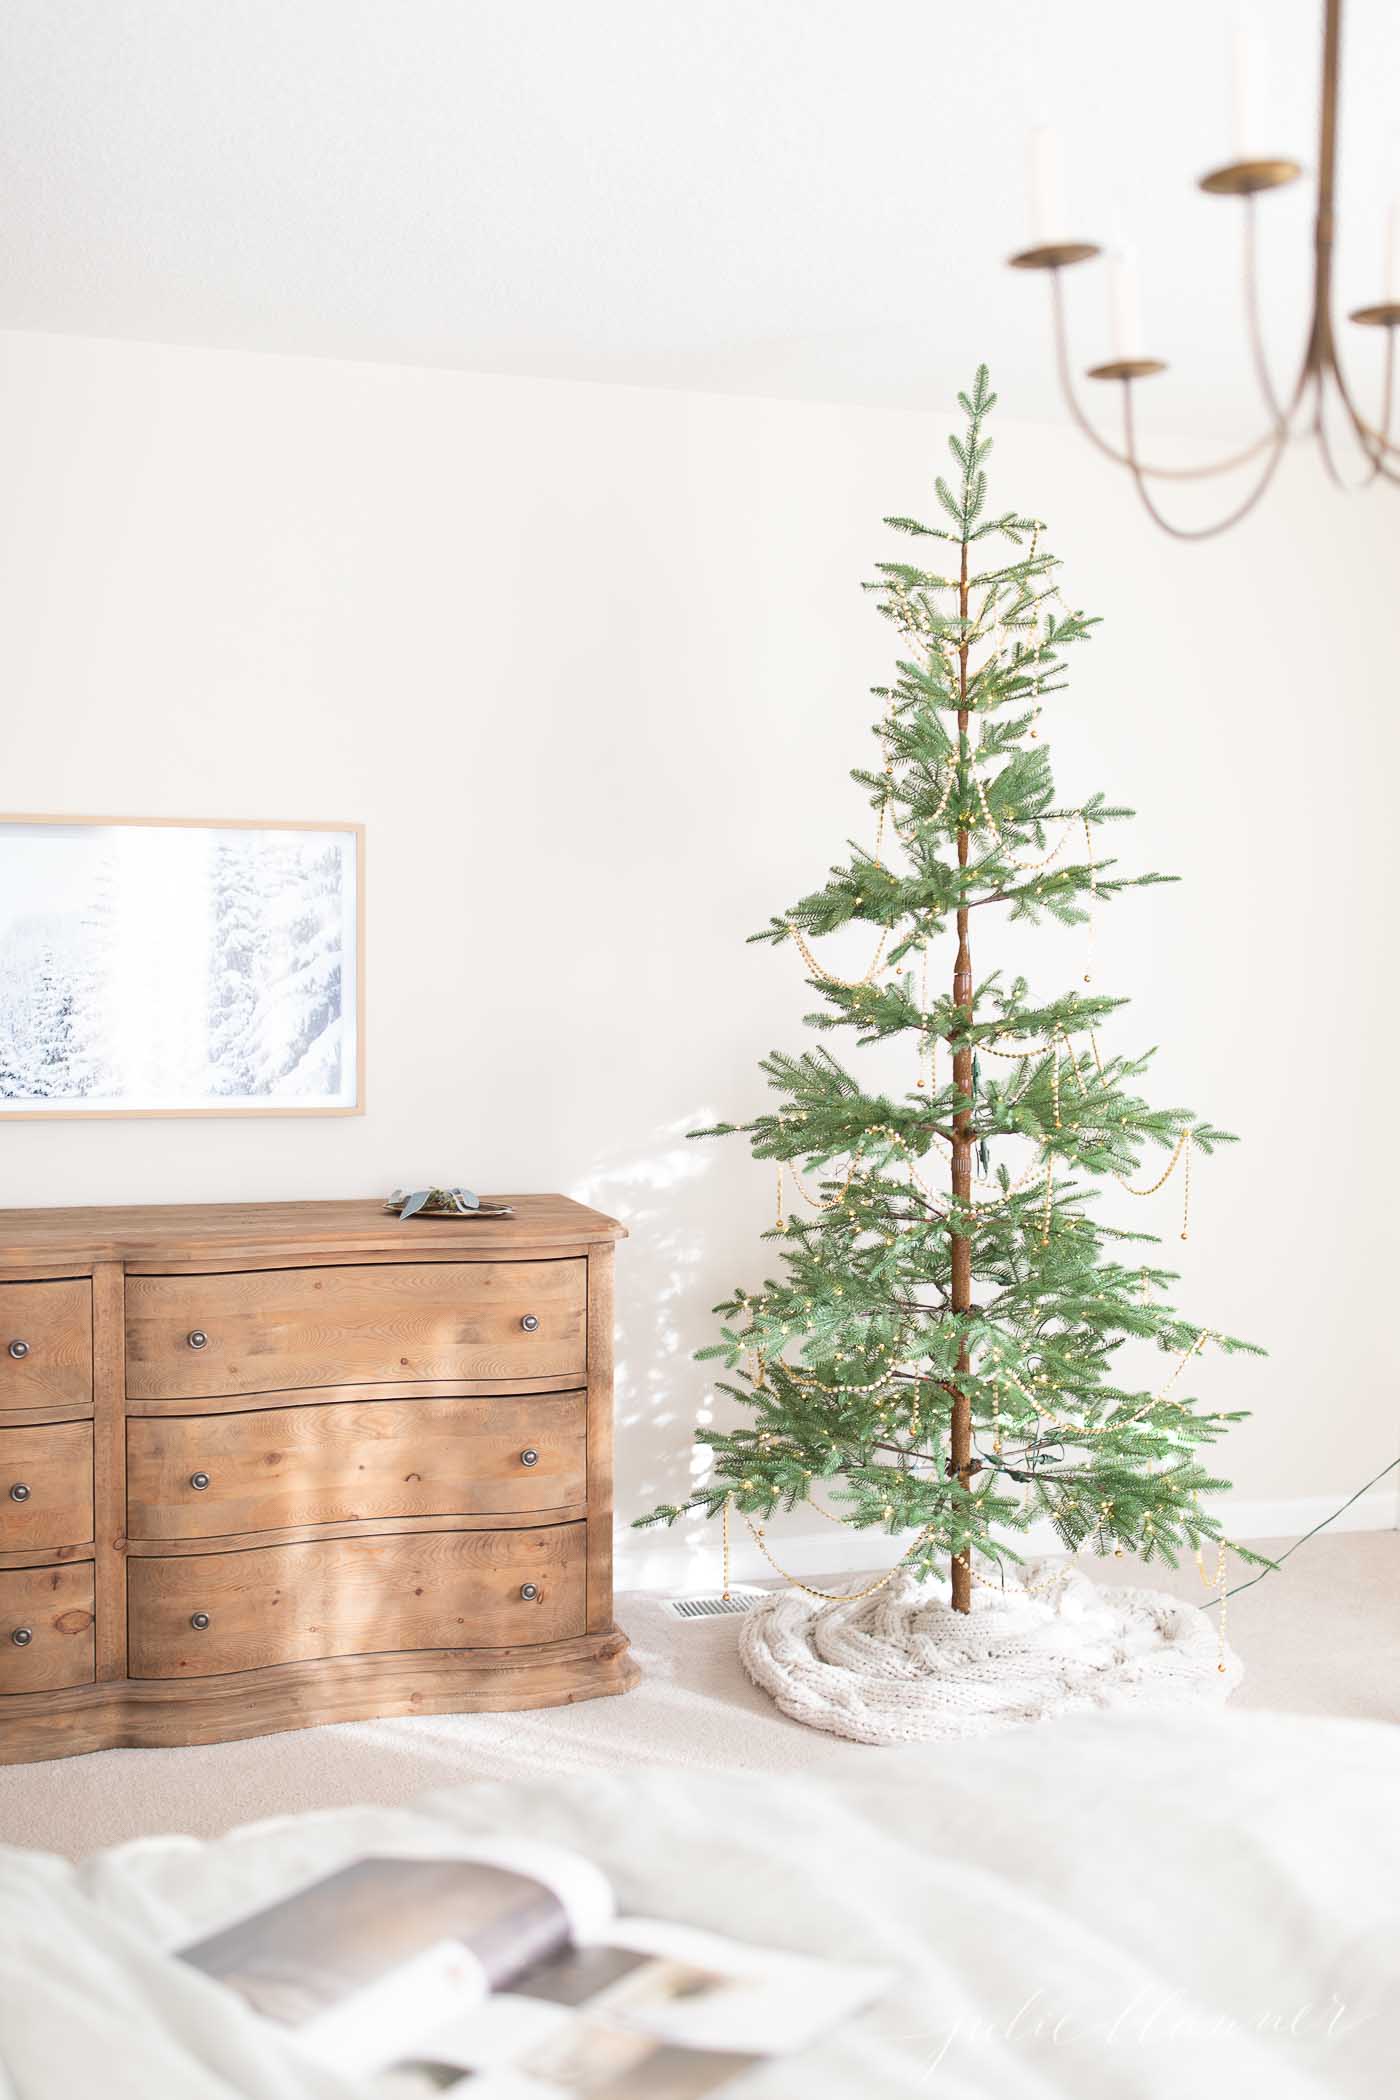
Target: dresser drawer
45	1486
45	1344
204	1614
45	1628
203	1476
280	1330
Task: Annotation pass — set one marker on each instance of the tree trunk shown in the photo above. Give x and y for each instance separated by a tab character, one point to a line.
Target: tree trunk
960	1457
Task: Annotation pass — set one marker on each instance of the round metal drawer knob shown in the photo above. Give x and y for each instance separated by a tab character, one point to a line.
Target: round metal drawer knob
22	1636
529	1592
19	1492
530	1322
199	1620
529	1458
199	1339
199	1480
19	1349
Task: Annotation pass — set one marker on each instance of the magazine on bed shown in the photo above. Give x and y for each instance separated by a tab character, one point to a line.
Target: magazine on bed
505	1973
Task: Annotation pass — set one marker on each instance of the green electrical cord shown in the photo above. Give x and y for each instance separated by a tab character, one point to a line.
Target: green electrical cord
1306	1536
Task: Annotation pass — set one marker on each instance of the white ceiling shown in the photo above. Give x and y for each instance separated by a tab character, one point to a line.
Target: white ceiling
797	197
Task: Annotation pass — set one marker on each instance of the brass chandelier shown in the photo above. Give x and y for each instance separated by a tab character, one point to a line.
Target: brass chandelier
1320	376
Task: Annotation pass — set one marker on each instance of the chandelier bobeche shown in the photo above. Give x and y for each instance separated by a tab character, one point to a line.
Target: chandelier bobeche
1320	379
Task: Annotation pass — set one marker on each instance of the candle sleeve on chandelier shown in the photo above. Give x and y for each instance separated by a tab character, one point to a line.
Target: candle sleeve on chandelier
1241	75
1046	177
1124	306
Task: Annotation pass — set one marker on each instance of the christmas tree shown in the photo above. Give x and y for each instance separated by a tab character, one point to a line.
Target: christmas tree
939	1356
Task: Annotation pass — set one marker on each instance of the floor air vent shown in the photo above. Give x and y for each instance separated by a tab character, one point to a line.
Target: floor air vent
714	1606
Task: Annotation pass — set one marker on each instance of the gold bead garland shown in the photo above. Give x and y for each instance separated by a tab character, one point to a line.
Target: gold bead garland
833	1596
929	1038
1082	1431
1164	1176
1218	1585
1184	1147
1184	1143
1054	1580
818	1202
995	1202
846	984
1033	867
810	1380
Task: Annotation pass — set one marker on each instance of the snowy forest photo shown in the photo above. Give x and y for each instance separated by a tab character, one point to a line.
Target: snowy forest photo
177	967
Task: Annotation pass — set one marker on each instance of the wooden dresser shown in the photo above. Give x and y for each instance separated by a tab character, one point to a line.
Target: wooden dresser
265	1465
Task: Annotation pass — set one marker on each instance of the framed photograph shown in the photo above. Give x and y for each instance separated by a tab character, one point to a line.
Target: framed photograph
157	966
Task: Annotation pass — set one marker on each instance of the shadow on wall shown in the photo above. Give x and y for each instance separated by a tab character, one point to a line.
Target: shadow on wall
672	1198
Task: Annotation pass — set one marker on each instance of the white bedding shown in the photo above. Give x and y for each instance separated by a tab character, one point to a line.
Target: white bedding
1107	1907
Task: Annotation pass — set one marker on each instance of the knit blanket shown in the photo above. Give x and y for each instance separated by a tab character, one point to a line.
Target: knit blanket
899	1665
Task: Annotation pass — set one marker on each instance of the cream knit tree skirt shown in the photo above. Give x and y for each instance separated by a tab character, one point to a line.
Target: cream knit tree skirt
902	1666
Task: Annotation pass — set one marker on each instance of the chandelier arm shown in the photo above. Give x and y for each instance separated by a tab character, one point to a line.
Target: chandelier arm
1319	431
1376	466
1280	415
1125	459
1061	334
1387	406
1375	444
1375	440
1277	442
1388	386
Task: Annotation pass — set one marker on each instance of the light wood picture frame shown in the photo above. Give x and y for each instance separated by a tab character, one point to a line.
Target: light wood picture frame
181	966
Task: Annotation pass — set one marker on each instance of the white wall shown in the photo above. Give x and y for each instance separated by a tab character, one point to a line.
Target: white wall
591	664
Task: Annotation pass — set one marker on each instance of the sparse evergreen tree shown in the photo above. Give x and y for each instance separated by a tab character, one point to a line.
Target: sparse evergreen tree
275	967
58	1067
296	1044
233	939
12	1072
939	1354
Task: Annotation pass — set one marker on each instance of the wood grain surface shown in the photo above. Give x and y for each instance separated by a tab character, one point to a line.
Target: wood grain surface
270	1328
362	1596
109	1465
303	1695
55	1607
54	1464
54	1321
184	1232
341	1461
296	1534
348	1389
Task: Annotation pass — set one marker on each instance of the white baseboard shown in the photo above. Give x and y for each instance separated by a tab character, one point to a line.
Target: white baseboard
688	1558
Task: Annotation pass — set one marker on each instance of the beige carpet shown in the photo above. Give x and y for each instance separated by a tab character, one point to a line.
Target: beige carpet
1322	1635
